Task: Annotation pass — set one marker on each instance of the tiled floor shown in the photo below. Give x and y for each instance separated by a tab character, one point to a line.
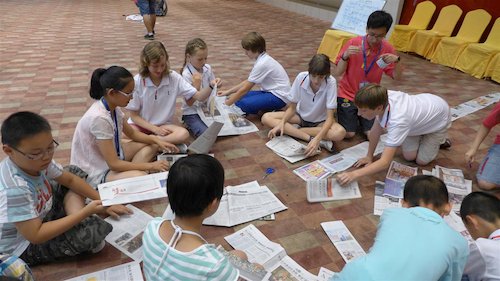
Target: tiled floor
49	49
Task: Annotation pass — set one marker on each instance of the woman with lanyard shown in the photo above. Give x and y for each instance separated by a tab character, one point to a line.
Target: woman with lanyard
363	60
97	146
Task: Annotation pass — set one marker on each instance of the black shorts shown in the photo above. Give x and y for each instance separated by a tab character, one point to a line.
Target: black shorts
306	124
348	117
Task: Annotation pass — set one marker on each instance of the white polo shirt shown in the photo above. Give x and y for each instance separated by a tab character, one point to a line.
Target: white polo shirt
312	106
157	104
207	76
413	115
271	76
484	259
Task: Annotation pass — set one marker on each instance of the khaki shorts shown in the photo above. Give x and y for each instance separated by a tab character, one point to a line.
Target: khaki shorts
426	145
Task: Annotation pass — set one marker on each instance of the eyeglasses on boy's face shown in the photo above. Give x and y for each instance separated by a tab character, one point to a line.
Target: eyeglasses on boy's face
376	36
38	156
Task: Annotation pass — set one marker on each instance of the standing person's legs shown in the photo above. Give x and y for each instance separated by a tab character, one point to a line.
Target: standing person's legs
147	10
488	177
347	114
255	101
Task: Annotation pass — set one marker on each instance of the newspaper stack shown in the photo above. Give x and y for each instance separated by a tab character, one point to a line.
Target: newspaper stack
272	256
396	177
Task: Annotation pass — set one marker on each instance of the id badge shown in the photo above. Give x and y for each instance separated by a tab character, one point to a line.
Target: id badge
364	83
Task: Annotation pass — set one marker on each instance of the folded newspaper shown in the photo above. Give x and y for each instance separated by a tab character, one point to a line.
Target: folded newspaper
270	255
134	189
458	187
396	177
125	272
343	240
127	232
240	204
288	148
215	110
329	189
382	201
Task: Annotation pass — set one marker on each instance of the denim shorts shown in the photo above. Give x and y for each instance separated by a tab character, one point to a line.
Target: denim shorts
146	7
488	170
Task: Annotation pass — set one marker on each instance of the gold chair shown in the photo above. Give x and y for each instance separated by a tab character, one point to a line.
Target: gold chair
493	68
332	42
476	57
402	34
449	48
424	41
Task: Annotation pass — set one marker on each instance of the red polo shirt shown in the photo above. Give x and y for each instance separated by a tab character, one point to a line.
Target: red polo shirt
355	74
493	119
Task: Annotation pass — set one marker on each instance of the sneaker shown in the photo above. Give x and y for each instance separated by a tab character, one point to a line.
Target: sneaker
149	37
183	148
446	144
327	144
99	247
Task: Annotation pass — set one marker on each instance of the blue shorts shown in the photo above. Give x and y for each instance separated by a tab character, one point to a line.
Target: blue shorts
146	7
255	101
488	170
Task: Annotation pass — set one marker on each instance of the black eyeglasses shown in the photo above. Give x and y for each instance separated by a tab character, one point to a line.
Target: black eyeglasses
38	156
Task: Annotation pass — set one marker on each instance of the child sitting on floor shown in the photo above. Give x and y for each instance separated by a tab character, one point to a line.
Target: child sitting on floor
39	222
480	213
413	243
199	74
156	90
175	250
312	107
267	72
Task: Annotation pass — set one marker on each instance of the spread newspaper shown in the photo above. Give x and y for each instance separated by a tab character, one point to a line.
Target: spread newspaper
325	274
127	232
458	187
215	110
272	256
473	105
396	177
329	189
240	204
343	240
134	189
288	148
125	272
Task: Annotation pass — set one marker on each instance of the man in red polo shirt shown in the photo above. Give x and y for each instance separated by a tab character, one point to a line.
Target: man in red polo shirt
362	60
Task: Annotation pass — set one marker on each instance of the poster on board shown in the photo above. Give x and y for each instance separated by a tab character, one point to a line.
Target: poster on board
353	14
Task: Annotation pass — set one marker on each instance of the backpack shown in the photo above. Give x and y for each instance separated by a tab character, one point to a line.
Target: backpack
161	8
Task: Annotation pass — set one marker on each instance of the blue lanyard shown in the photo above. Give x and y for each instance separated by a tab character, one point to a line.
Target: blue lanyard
364	57
113	117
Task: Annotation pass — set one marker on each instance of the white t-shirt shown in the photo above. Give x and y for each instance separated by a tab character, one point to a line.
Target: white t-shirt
157	104
484	259
207	76
413	115
271	76
96	124
311	106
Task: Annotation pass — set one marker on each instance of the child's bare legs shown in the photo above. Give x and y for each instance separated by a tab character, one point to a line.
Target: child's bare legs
134	152
335	133
178	134
73	202
272	119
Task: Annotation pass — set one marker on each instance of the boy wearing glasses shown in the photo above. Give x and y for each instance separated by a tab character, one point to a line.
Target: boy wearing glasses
363	60
39	222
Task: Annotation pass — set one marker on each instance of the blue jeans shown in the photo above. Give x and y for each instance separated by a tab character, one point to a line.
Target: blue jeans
146	7
488	170
255	101
194	124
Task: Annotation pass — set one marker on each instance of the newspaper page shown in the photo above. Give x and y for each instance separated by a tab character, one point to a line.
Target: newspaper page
133	189
455	222
288	269
473	105
329	189
381	201
257	246
203	143
125	272
127	232
312	171
343	240
458	187
325	274
231	116
248	270
396	177
339	162
240	204
170	158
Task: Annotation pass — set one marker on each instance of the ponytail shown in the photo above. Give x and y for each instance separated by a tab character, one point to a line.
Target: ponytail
115	77
191	48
